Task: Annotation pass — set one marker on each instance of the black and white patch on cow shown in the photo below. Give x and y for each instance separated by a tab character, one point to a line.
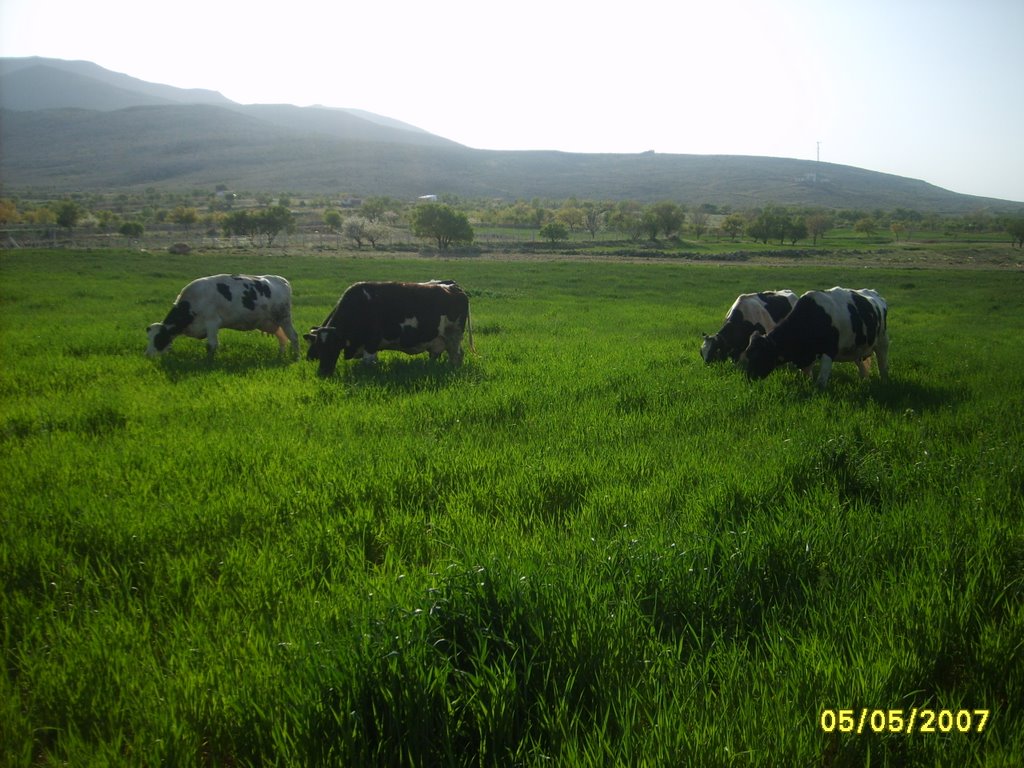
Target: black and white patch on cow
750	312
237	302
407	317
837	325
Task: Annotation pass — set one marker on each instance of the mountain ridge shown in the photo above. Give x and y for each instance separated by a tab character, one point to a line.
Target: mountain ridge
74	126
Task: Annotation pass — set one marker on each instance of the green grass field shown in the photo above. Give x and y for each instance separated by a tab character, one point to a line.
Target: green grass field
584	547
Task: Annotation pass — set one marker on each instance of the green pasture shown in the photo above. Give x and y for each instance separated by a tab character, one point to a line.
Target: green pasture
584	547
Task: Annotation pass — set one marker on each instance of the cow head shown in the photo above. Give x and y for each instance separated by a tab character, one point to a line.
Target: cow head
160	338
162	334
325	345
712	349
761	356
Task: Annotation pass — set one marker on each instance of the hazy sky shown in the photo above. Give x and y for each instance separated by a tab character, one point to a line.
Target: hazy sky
931	89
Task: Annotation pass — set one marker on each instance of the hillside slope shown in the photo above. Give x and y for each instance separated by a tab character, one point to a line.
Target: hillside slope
41	83
73	126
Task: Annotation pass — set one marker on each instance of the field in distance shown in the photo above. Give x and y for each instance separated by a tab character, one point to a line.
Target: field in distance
584	547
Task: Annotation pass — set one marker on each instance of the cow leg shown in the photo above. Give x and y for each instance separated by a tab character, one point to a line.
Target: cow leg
286	332
283	339
825	371
882	354
455	354
211	339
453	344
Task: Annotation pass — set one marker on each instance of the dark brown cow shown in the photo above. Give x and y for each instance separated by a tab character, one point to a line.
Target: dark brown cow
407	317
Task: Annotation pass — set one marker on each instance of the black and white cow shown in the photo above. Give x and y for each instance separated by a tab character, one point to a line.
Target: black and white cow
408	317
750	312
837	325
237	302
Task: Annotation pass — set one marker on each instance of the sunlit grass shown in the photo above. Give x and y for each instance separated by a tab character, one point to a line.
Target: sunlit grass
584	546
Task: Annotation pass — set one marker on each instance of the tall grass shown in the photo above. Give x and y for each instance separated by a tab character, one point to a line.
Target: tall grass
584	547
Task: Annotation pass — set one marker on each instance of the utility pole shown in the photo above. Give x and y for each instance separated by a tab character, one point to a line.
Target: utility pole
819	151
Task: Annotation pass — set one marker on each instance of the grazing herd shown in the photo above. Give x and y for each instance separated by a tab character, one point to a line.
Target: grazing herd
761	330
837	325
765	330
407	317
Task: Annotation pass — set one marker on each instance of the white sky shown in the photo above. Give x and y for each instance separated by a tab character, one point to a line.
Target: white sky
931	89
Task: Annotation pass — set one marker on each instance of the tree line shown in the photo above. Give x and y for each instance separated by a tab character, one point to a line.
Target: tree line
453	222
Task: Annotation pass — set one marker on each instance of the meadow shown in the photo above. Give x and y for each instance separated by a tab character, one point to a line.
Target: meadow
584	547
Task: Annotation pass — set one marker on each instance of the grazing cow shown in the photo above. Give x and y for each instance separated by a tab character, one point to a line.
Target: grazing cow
750	312
238	302
408	317
837	325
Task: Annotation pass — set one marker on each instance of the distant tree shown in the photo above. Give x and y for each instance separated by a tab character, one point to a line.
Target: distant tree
773	222
377	232
333	219
649	225
911	218
699	222
185	216
817	223
665	218
519	214
733	225
541	214
898	228
796	230
572	216
211	222
359	228
593	213
42	216
1015	228
131	229
376	208
977	221
8	212
442	223
265	224
238	224
554	231
865	225
627	218
68	212
274	220
106	219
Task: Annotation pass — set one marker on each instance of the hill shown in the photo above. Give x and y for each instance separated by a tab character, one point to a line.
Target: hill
74	126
